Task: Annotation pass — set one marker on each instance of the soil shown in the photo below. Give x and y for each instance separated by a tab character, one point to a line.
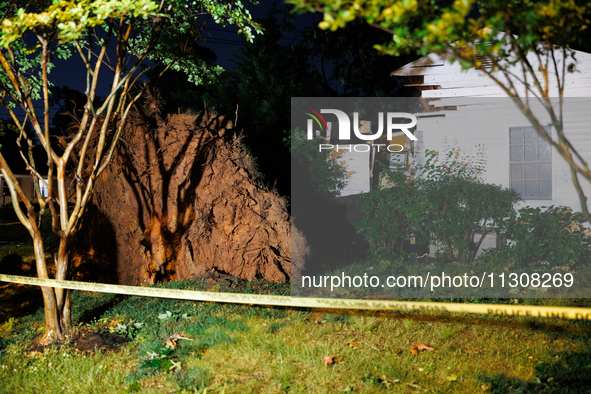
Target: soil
86	341
181	198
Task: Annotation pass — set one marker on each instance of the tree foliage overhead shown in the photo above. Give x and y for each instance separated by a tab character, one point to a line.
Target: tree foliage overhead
523	46
32	35
349	65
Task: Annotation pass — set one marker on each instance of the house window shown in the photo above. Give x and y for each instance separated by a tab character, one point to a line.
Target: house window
398	160
530	161
43	188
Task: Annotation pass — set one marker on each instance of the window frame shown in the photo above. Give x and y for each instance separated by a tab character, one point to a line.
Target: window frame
400	166
550	161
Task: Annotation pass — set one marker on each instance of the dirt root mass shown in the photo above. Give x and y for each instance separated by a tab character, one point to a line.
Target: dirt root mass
182	199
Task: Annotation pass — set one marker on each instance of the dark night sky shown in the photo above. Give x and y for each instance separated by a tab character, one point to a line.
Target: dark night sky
223	41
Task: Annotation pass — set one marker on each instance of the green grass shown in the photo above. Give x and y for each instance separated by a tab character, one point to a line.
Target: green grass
242	349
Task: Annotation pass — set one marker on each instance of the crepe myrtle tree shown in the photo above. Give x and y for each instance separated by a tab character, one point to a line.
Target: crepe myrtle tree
523	46
113	39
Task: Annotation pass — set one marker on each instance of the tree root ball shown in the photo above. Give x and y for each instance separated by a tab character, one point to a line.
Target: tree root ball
183	199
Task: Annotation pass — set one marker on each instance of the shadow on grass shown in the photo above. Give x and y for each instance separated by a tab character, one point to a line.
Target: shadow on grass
95	313
556	326
569	373
17	300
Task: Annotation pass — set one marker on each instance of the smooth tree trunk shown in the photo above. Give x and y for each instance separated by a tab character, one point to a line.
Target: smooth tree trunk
56	300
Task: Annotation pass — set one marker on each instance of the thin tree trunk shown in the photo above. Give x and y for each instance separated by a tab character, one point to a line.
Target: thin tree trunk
53	328
61	273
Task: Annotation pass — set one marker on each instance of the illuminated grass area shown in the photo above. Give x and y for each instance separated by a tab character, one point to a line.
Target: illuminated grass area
238	349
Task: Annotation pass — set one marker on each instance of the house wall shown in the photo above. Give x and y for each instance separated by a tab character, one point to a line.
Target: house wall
357	165
26	183
475	117
463	113
437	78
486	124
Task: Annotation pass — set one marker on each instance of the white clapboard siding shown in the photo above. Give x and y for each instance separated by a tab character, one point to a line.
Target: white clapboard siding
357	165
485	122
449	80
472	112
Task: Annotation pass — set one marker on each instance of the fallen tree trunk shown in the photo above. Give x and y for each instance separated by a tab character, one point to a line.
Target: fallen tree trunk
183	199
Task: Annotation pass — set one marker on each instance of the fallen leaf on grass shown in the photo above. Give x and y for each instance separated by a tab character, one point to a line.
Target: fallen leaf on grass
170	342
452	378
176	366
153	355
417	347
164	315
384	380
354	345
422	346
328	360
387	381
486	387
319	319
532	358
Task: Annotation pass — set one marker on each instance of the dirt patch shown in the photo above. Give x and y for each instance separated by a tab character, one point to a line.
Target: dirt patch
86	341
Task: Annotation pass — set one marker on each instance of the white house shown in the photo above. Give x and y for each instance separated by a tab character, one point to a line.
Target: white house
27	184
468	109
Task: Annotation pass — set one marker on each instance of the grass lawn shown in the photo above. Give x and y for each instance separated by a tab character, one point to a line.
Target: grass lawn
150	345
241	349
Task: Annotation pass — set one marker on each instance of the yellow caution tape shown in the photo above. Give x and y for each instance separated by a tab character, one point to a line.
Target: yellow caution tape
304	302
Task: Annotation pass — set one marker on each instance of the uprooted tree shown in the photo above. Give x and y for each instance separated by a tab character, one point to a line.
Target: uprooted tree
137	30
523	46
183	199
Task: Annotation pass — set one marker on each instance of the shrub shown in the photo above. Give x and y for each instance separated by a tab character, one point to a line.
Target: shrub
552	235
462	209
324	170
446	201
390	214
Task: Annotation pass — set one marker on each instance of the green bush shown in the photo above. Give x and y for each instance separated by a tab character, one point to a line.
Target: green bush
551	236
462	209
445	200
326	173
390	214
